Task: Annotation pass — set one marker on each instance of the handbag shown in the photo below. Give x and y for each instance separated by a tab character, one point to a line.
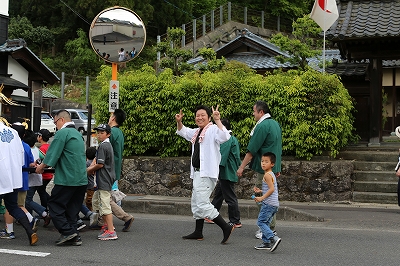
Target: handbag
117	195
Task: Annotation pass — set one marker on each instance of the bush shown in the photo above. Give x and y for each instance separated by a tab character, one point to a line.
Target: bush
313	109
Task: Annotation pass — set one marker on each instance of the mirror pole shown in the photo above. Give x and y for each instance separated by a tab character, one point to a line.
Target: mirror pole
114	71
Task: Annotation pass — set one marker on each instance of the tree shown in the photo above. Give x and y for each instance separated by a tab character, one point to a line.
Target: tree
71	15
213	64
285	8
175	57
303	45
171	13
205	6
288	8
39	37
20	27
82	59
42	38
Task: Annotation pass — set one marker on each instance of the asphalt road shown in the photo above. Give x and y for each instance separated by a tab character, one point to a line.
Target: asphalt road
349	236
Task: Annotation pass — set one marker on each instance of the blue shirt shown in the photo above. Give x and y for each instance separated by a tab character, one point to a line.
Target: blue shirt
28	159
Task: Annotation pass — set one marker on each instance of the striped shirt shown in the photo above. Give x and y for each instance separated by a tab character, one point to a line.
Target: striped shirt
273	198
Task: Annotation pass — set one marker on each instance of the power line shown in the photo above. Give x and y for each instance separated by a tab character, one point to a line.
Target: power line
178	8
75	12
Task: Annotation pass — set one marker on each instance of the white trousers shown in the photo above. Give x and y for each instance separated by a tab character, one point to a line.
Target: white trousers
200	202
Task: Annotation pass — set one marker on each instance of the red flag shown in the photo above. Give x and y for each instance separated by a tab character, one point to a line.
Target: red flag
325	13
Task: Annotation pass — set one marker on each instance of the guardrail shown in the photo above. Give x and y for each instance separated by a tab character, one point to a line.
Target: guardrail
199	27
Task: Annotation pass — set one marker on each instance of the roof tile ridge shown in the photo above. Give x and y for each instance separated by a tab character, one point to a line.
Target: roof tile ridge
346	21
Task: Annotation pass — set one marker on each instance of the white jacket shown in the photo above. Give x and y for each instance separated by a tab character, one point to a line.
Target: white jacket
11	159
210	156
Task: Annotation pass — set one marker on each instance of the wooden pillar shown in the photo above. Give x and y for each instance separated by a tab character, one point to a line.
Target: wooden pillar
375	128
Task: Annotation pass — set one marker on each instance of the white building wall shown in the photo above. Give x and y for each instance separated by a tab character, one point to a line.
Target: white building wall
18	73
4	7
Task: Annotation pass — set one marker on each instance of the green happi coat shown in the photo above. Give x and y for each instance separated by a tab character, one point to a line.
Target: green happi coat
267	137
66	154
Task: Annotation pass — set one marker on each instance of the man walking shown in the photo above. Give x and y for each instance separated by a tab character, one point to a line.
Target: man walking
266	136
117	142
225	188
67	155
206	156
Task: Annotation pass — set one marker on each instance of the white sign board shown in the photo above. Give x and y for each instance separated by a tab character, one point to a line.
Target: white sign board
113	97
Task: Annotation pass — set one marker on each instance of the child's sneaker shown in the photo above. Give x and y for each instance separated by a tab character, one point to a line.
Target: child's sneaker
265	246
274	243
5	235
107	235
238	225
80	225
103	229
76	241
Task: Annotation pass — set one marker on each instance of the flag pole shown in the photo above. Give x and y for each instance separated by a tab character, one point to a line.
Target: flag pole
323	56
323	51
324	13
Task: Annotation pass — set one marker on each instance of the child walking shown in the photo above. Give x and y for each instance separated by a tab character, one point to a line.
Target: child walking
270	203
105	177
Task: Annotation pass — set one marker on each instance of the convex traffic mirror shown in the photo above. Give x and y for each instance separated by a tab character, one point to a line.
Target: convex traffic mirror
117	34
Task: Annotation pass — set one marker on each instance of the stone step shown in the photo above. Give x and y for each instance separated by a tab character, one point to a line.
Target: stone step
374	166
374	174
373	186
384	146
370	156
378	176
375	197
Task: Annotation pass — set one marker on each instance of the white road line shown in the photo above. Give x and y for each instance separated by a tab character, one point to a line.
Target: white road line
22	252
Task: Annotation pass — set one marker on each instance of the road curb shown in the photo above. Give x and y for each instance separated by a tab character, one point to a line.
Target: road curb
181	206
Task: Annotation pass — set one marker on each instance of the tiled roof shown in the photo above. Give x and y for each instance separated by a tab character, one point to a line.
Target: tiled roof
47	94
257	61
349	69
358	69
366	19
249	39
316	62
261	59
7	81
390	63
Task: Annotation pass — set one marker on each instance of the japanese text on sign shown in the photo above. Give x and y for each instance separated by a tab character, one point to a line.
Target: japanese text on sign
113	97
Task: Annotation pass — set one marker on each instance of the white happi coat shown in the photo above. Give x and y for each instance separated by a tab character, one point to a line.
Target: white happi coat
11	159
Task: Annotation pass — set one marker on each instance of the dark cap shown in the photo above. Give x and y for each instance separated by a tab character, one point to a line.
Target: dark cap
103	127
44	133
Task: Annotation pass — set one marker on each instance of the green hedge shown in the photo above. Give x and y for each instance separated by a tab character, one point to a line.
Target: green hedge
314	109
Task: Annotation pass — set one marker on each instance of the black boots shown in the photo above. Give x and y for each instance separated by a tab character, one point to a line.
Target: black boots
33	238
226	228
198	232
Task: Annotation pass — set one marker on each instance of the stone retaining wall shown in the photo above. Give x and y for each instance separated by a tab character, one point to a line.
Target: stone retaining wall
300	181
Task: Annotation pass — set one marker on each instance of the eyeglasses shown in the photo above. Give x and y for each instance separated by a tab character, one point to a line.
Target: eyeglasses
55	122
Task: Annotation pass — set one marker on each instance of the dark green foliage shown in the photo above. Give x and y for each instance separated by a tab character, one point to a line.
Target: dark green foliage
313	109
